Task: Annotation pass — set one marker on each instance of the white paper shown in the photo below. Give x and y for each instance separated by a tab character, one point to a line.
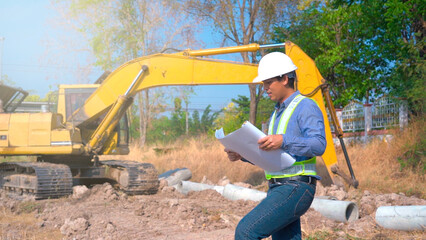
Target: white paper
244	142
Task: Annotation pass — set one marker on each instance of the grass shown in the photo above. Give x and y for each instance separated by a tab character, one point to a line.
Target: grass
29	207
25	226
320	235
18	159
377	165
203	156
325	235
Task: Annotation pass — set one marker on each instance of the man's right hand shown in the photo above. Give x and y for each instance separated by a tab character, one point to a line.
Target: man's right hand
233	156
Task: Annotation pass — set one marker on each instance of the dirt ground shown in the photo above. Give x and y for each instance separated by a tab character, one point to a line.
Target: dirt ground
103	212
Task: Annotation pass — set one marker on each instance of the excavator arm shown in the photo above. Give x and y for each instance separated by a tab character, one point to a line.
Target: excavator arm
309	83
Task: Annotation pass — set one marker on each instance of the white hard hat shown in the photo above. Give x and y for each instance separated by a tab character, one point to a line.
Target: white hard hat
272	65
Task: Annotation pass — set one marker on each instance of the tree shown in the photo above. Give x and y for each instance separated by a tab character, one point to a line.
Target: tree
364	48
194	122
183	93
122	30
178	119
403	30
242	22
325	34
5	79
161	131
33	98
207	119
235	114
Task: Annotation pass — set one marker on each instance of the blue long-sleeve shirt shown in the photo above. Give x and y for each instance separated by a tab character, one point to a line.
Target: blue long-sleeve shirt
305	134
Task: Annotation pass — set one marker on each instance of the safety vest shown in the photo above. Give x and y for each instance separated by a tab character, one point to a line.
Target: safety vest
307	167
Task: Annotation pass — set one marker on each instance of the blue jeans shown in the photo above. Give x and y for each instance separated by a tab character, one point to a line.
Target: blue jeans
278	214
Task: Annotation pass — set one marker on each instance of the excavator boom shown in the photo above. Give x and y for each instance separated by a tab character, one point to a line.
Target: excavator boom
163	70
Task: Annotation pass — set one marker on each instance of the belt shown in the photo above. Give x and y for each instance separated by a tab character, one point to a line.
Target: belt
306	179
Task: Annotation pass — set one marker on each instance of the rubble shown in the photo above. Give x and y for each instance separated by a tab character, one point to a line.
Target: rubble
103	212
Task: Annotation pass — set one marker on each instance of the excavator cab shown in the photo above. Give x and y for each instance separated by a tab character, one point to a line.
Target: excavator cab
73	97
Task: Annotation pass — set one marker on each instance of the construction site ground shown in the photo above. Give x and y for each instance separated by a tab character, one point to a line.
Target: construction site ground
102	212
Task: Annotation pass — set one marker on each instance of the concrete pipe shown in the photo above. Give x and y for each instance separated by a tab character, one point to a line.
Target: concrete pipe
342	211
234	192
402	217
175	176
187	186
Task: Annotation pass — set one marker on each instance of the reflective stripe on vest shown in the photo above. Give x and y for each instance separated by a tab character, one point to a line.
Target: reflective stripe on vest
307	167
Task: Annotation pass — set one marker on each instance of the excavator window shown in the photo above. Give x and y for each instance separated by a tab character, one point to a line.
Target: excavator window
75	98
11	98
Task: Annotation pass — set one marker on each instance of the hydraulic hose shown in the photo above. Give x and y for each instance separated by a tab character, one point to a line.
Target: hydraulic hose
339	132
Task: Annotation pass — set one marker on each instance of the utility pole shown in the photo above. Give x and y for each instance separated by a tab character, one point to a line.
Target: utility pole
1	57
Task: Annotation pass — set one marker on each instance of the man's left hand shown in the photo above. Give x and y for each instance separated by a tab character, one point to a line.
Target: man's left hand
271	142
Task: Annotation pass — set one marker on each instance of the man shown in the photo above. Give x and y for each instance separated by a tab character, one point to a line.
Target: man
297	127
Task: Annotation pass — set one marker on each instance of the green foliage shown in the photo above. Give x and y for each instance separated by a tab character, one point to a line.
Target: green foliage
242	104
134	132
237	112
5	80
326	35
230	119
364	48
168	129
206	121
404	21
51	98
265	108
161	131
33	98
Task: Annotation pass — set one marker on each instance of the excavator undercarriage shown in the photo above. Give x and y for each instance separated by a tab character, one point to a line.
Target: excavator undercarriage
43	180
52	180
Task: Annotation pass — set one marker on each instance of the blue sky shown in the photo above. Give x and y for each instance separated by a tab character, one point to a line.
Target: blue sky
33	56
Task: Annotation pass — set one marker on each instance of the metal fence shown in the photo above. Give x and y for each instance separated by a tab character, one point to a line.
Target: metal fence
353	117
385	113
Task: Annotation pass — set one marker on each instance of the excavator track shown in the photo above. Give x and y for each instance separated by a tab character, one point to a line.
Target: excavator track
134	178
43	180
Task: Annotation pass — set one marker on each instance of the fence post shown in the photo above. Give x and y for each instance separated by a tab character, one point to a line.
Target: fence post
403	115
368	120
339	117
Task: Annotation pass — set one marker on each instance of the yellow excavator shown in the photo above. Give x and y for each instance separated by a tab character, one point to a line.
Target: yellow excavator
91	121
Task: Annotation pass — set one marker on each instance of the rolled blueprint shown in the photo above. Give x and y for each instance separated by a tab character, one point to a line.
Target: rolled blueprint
244	142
